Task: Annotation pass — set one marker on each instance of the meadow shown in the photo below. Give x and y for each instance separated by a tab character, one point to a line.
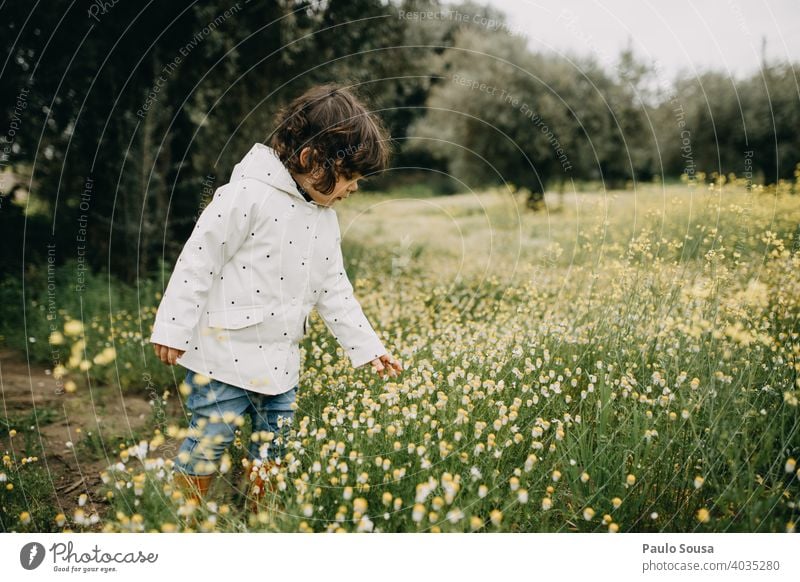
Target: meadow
627	361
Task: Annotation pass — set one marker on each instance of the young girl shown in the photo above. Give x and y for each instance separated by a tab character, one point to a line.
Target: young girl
263	253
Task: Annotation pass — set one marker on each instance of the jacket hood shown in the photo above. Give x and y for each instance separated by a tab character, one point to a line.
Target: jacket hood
263	164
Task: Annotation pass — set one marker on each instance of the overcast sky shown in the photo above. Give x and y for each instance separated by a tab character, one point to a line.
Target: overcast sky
679	34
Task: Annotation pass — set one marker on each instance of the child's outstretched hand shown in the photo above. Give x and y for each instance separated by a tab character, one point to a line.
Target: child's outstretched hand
167	354
386	364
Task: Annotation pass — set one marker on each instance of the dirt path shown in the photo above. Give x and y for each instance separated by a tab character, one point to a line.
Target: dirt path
76	436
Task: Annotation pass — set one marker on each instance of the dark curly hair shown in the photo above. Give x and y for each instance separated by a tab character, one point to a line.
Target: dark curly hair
344	136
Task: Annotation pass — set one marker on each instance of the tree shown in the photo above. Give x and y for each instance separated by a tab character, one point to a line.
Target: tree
501	114
137	109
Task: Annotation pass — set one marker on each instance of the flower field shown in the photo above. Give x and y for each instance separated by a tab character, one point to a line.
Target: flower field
627	362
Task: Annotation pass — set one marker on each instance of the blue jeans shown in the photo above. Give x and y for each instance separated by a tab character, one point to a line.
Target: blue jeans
215	407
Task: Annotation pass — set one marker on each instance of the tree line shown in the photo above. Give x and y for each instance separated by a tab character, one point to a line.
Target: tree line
124	117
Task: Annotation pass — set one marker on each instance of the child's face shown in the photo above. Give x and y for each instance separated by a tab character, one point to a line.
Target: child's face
342	189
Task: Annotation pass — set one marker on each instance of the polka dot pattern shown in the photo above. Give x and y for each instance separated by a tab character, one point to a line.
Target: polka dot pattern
260	258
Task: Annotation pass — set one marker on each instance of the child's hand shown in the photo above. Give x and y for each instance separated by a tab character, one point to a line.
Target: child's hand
387	364
167	354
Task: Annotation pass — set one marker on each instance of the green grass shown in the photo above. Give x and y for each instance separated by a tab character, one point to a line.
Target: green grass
43	415
631	361
32	492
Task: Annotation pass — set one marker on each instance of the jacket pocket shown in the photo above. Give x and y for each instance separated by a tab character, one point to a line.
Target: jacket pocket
236	317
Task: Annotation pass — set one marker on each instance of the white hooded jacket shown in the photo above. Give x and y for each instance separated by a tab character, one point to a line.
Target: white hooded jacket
259	259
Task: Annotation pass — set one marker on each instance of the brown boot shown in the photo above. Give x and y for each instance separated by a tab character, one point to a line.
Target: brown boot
194	487
258	486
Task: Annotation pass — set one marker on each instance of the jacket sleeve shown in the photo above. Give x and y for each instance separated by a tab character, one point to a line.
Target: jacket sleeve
219	232
343	315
